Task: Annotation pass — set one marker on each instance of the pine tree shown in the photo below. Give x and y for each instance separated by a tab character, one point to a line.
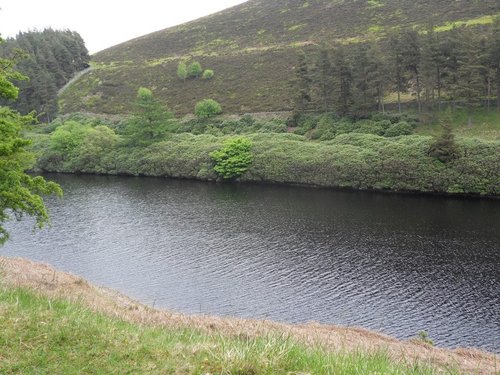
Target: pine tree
429	67
493	57
378	73
323	78
450	50
150	120
343	80
52	58
444	147
366	82
469	84
396	66
302	86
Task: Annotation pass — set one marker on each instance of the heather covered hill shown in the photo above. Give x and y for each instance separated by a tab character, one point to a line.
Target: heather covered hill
252	48
267	24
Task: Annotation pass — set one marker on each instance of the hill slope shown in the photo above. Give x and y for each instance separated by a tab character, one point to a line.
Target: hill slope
252	48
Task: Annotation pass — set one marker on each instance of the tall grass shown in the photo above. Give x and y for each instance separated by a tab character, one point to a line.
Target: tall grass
39	335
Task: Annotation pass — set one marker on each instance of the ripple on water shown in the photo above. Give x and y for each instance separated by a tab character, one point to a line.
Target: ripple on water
399	264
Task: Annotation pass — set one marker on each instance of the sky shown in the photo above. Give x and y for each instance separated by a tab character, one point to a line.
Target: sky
103	23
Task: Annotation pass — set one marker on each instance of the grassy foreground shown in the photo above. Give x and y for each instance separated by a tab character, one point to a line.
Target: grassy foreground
56	336
53	322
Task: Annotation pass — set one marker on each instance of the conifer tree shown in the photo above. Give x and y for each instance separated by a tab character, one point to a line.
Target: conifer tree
366	81
302	85
493	57
52	58
343	81
396	66
444	147
324	79
378	73
150	120
469	84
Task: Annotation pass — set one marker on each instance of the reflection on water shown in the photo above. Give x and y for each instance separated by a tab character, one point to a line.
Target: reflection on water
394	263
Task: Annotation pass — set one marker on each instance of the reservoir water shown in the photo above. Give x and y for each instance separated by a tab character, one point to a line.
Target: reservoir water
398	264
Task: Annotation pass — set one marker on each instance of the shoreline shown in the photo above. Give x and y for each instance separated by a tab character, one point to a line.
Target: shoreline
411	193
47	281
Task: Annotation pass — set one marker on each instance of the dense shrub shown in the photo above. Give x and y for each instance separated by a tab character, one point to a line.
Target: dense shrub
400	128
208	74
182	71
207	108
68	137
194	69
352	159
234	158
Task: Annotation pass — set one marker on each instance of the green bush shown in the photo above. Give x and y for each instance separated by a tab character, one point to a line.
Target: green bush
207	108
182	71
68	137
352	159
270	127
208	74
234	158
400	128
194	69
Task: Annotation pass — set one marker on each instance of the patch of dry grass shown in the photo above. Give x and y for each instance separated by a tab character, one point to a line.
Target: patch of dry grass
47	281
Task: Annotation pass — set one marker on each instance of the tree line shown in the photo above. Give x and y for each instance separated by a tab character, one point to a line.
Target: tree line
49	58
459	65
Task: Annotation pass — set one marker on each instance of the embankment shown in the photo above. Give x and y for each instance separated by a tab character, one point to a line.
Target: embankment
53	285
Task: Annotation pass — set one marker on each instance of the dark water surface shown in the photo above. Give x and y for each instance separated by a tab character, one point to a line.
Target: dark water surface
393	263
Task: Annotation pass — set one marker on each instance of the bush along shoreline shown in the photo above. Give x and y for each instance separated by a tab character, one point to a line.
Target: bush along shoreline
333	153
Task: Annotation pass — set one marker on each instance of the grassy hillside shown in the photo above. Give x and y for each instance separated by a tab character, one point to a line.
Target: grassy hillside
252	48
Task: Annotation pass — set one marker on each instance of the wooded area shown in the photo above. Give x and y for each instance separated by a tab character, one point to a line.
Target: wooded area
49	58
461	65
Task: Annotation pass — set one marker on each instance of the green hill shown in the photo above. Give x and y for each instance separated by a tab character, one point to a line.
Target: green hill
252	48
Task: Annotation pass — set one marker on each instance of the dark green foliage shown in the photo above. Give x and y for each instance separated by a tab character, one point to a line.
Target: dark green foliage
343	82
444	147
368	80
328	126
51	59
302	86
468	83
207	108
400	128
234	158
369	154
493	60
323	79
150	120
20	193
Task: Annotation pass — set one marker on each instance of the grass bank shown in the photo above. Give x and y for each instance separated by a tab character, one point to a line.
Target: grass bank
54	322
